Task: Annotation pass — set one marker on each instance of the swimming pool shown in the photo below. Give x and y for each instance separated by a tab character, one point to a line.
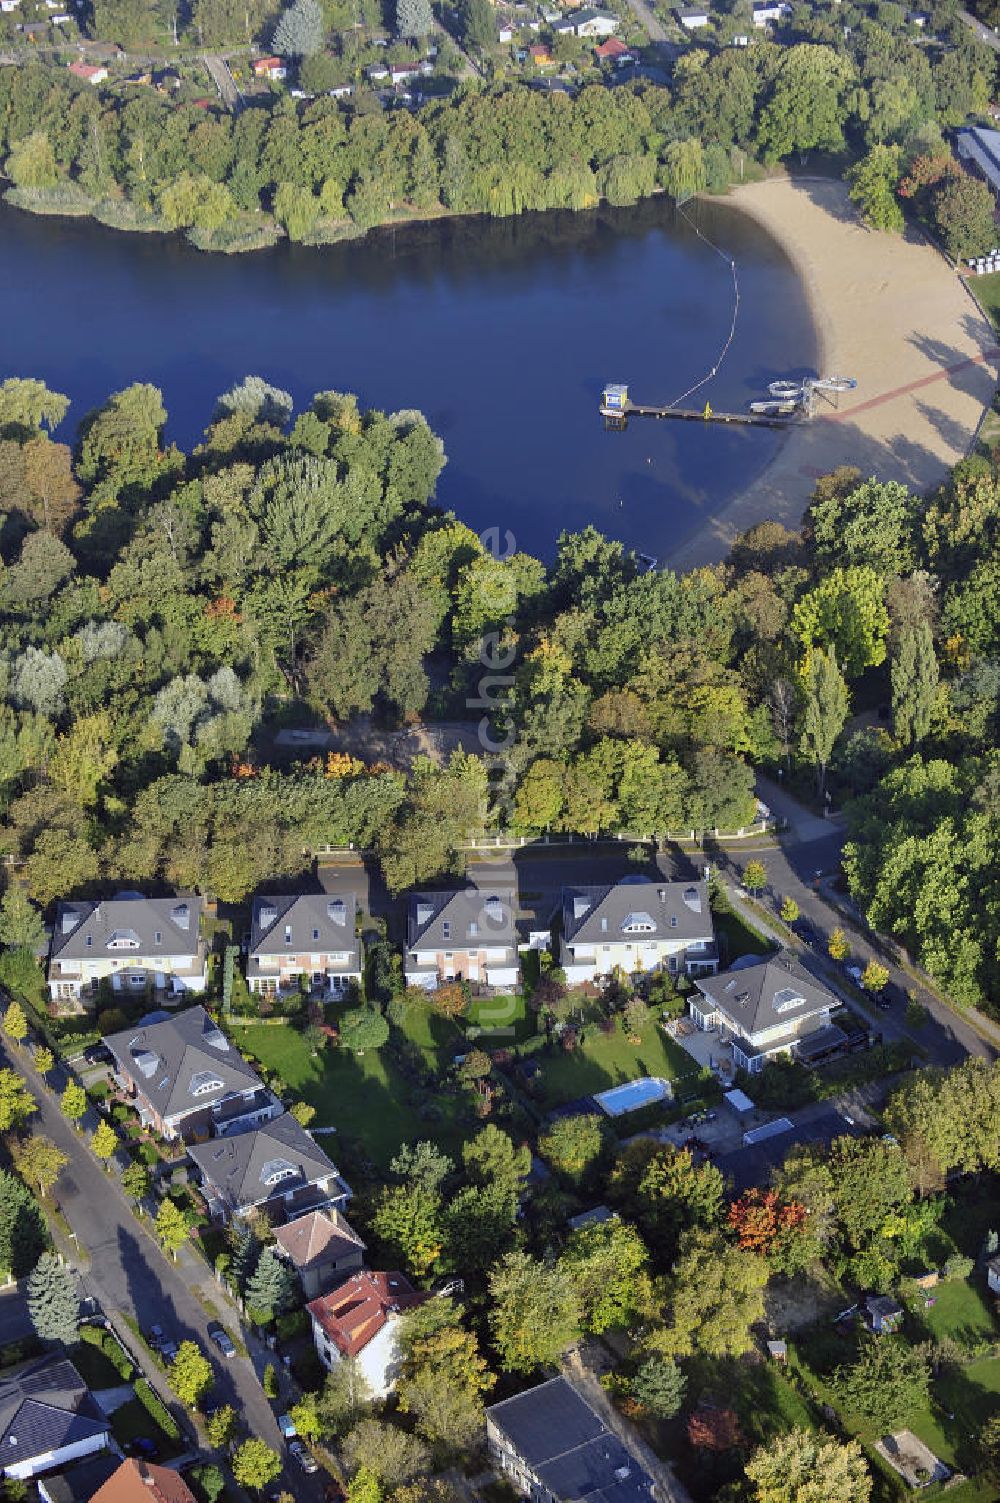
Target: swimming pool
633	1094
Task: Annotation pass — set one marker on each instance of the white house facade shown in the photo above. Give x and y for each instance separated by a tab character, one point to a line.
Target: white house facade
134	942
772	1008
637	928
465	935
359	1320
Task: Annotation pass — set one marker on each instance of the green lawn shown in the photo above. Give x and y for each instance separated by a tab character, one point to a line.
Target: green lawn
94	1368
364	1096
960	1310
502	1019
609	1059
987	290
736	938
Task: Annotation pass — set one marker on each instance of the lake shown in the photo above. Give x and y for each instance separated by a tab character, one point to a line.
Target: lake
501	332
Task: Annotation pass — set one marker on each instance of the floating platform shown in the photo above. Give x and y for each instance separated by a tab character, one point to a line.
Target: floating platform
620	413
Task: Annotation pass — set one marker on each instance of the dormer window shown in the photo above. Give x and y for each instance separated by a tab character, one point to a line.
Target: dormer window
787	999
638	923
123	939
275	1170
204	1083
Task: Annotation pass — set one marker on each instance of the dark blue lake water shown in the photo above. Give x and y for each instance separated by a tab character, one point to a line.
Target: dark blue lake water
501	332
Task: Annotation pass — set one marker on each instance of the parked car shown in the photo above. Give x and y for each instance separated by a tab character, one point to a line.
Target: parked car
141	1445
854	973
222	1341
287	1426
306	1462
155	1337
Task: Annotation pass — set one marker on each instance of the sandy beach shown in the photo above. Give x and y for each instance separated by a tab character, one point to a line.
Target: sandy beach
889	311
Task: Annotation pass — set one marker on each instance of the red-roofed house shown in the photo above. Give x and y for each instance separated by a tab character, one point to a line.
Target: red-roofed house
139	1482
361	1320
613	51
269	67
88	72
540	55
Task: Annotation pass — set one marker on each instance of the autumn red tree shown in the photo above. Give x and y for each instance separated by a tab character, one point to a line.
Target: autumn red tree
714	1430
760	1219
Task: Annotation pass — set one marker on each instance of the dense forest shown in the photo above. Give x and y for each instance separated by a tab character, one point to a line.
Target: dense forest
165	614
319	169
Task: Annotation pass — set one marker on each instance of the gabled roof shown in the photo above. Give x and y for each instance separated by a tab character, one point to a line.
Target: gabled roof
567	1446
45	1407
252	1166
355	1312
613	47
470	918
79	1482
127	924
778	992
183	1063
317	1238
140	1482
316	921
633	912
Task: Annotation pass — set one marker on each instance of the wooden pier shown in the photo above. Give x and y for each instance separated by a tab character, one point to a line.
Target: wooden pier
700	415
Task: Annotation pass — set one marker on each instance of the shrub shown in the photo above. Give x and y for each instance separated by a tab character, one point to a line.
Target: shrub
958	1266
157	1410
112	1349
294	1324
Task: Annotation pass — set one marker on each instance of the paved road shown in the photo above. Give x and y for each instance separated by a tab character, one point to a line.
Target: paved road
643	13
800	866
980	32
128	1273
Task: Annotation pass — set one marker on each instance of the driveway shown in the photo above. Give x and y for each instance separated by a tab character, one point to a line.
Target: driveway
131	1276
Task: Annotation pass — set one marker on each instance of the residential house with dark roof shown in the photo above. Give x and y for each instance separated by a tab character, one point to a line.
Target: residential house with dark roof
554	1448
79	1482
186	1079
277	1169
763	1010
311	935
48	1418
463	935
360	1320
322	1247
136	943
637	927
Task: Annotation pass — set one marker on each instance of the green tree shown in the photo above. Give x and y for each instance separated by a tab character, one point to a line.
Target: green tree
53	1300
32	162
211	1482
25	405
666	1192
443	1377
38	1160
789	910
104	1143
806	108
305	1417
344	1399
873	183
43	1059
845	614
300	30
172	1227
303	1112
73	1102
803	1466
273	1285
21	924
387	1452
716	1297
963	210
190	1374
414	18
607	1263
875	978
754	876
826	705
363	1028
914	684
221	1426
837	946
136	1181
23	1234
15	1024
269	1382
573	1145
659	1386
887	1385
535	1312
16	1102
255	1465
364	1487
409	1220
